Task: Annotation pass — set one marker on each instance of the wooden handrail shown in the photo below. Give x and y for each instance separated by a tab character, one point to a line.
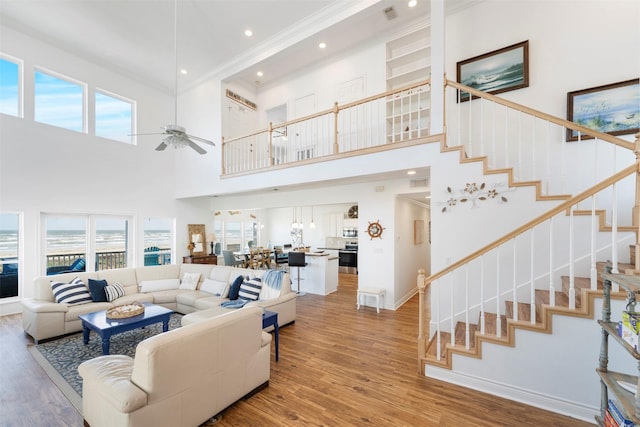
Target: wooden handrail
571	125
536	221
333	110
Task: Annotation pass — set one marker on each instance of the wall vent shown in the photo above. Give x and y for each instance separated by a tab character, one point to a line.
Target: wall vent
415	183
390	13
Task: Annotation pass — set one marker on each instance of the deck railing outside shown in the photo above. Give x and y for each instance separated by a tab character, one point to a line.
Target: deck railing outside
387	118
109	260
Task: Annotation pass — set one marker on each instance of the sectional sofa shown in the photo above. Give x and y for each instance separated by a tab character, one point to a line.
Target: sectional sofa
227	358
184	288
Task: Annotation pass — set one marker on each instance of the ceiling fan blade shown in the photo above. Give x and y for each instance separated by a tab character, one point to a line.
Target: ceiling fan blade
196	147
162	146
140	134
206	141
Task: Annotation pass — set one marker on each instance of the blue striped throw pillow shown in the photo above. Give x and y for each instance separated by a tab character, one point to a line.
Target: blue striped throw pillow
73	293
250	289
114	291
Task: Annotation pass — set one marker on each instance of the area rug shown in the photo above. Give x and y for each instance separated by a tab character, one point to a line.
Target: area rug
60	357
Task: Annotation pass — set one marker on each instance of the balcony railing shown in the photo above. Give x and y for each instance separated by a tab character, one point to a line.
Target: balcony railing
388	118
108	260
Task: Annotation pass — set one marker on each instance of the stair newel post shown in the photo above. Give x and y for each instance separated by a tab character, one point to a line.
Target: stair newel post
636	208
421	319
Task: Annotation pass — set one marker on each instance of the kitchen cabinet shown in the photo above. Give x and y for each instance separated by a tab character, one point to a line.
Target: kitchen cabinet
333	224
610	387
320	276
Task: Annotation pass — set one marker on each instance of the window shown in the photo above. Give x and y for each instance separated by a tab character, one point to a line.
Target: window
59	102
9	262
114	117
233	235
250	235
111	243
158	241
10	86
65	243
86	242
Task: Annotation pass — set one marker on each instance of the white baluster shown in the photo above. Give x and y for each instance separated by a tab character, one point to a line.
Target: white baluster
482	294
452	314
532	289
594	224
466	307
498	311
552	289
572	289
438	302
515	284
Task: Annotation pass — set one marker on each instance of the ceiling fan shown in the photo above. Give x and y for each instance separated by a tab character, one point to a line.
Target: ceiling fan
177	136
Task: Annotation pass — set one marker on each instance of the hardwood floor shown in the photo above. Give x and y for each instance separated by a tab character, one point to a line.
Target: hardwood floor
338	367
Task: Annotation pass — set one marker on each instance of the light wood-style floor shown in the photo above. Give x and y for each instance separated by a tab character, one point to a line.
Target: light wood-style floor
338	367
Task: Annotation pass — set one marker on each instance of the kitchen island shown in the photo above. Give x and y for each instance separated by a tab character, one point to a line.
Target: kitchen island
319	276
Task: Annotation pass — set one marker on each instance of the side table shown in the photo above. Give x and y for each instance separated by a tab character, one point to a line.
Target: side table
270	318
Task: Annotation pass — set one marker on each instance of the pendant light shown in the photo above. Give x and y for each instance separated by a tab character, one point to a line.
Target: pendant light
312	224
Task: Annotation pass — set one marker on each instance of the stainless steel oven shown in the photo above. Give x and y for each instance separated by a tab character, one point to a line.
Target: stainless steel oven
348	262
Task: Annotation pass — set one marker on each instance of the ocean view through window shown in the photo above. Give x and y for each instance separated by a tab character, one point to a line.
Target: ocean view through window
9	261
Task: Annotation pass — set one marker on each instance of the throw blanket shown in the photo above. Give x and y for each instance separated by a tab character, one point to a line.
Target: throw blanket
238	303
273	278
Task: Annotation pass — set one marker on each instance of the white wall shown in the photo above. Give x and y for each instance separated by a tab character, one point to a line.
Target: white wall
45	169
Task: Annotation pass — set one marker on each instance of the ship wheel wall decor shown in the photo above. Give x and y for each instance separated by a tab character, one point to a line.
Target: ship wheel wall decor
375	230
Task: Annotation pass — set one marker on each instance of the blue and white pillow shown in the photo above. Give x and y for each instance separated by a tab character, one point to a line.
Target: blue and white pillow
72	293
250	289
114	291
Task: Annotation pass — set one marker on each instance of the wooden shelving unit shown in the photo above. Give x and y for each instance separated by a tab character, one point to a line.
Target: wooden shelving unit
610	388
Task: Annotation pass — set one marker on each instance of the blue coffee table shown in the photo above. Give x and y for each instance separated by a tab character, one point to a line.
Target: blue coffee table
99	323
270	318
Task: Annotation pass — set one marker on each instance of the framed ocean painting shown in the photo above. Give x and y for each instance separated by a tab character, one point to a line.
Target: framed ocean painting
498	71
612	109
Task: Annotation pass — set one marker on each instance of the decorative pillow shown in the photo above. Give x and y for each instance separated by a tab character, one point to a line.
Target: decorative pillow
114	291
159	285
96	288
214	287
234	289
72	293
189	281
250	289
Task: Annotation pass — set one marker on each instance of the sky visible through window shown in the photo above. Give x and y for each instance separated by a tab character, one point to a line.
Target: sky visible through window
113	118
9	94
58	102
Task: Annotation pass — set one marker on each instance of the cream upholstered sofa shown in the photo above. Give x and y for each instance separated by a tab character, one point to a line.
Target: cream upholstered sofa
43	317
179	378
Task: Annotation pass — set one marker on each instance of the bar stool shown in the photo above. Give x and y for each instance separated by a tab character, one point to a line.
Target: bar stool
297	259
377	293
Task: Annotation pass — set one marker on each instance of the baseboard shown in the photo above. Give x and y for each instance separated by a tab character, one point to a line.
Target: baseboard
559	406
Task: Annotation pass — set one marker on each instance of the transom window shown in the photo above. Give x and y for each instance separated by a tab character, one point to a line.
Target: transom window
114	117
59	101
10	86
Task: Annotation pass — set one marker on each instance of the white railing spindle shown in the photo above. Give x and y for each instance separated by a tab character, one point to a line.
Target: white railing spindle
532	288
552	289
572	284
515	279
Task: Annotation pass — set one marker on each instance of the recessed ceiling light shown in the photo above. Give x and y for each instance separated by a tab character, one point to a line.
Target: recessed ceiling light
411	172
259	74
183	71
248	33
322	45
413	3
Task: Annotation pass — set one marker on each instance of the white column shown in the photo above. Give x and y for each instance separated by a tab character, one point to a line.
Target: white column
437	66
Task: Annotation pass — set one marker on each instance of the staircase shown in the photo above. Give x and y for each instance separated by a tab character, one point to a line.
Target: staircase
459	319
584	307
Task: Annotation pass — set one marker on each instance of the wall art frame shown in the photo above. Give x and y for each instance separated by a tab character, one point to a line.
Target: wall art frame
613	109
498	71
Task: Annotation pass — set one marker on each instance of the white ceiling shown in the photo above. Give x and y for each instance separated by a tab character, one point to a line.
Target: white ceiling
136	37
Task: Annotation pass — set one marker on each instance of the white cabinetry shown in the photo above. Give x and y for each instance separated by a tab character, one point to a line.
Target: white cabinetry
319	277
408	62
333	224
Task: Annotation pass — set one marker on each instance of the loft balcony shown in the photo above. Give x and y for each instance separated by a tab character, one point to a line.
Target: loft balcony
394	119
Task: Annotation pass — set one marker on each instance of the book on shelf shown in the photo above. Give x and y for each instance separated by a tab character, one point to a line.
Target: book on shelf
628	335
620	419
608	420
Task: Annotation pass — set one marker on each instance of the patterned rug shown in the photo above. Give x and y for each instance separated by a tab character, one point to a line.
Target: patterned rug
60	357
